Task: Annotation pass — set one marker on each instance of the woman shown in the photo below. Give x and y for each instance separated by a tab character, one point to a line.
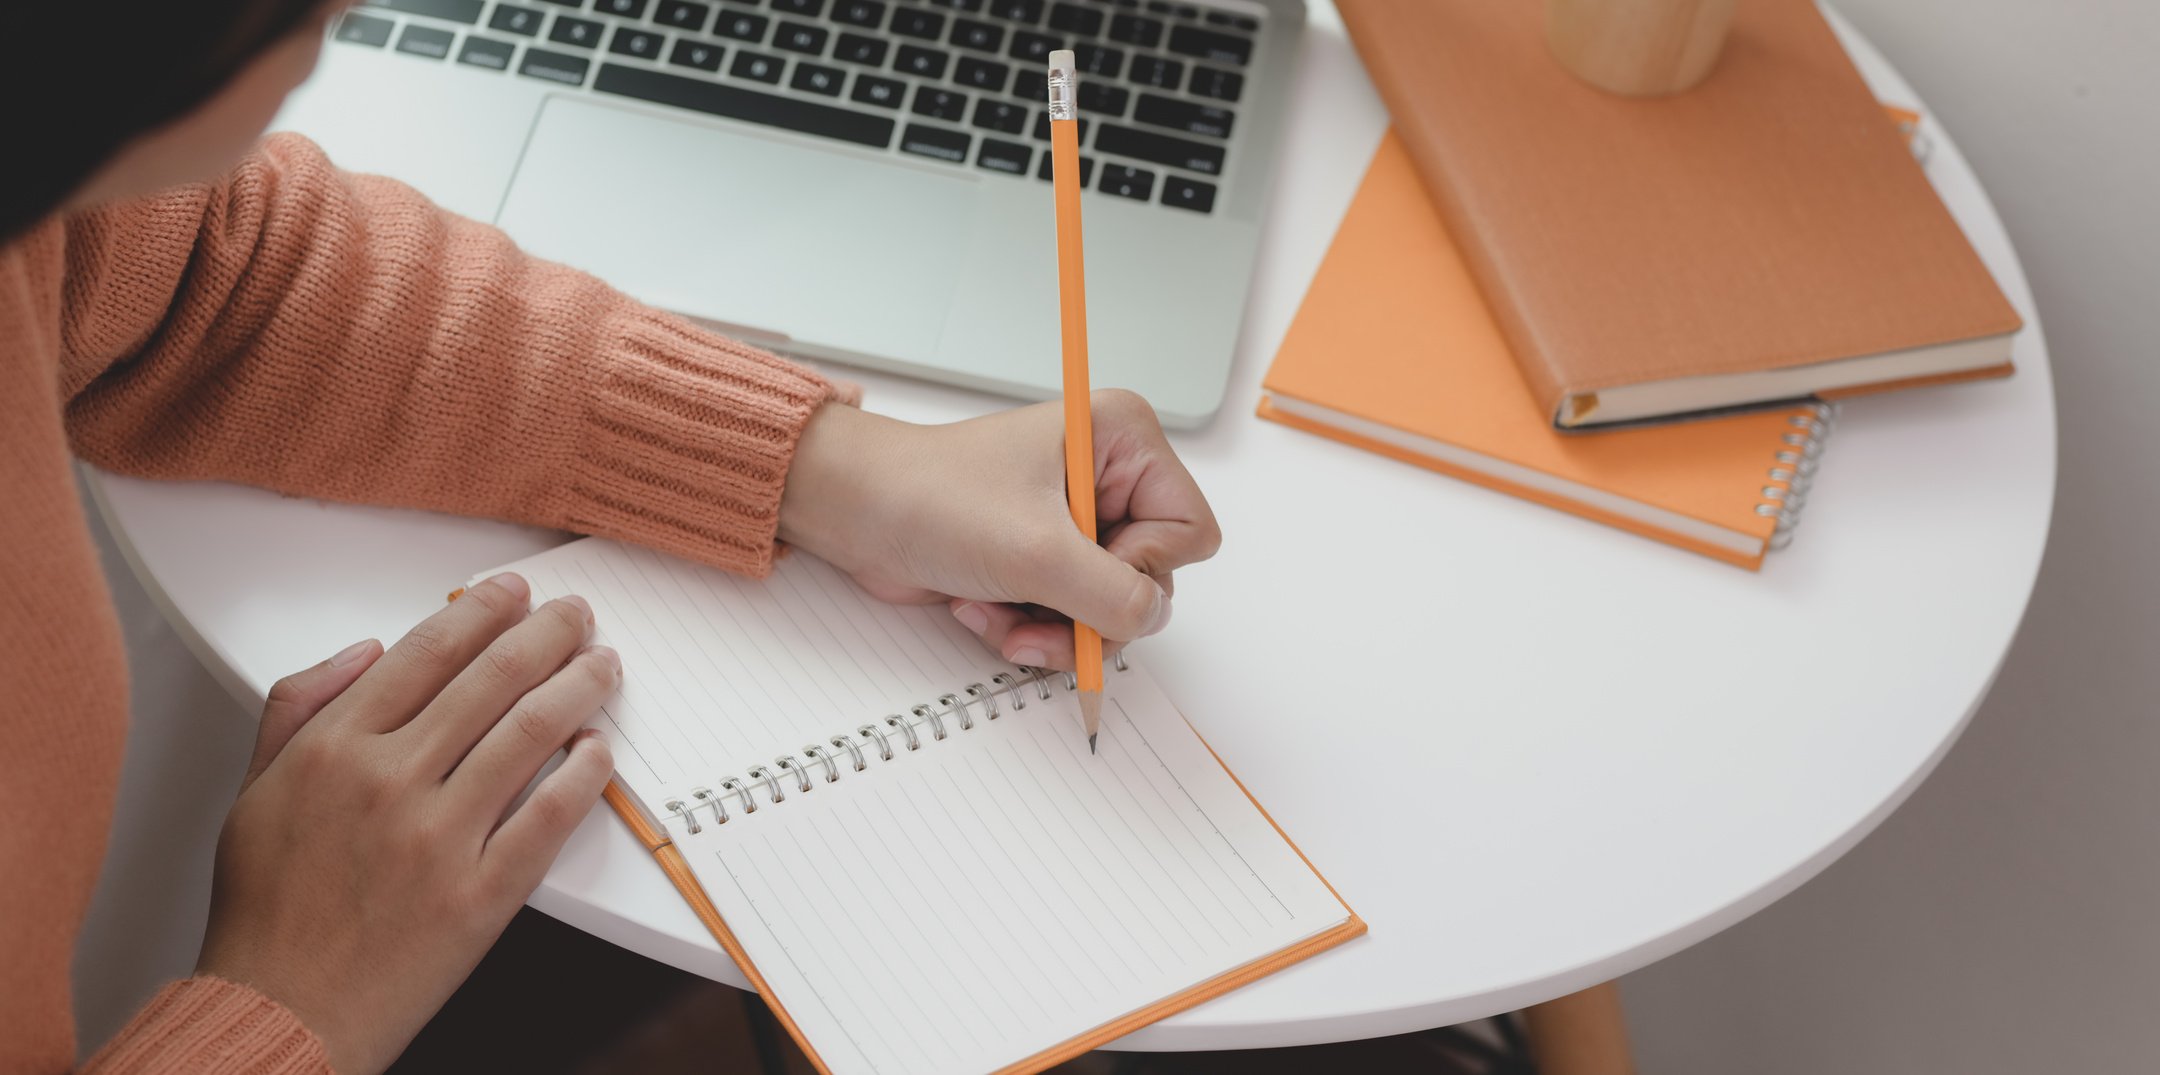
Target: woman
336	336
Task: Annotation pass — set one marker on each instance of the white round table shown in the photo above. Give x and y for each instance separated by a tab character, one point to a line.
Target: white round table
1533	752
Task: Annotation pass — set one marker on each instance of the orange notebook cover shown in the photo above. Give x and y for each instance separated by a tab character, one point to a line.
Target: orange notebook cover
1395	351
919	865
1761	236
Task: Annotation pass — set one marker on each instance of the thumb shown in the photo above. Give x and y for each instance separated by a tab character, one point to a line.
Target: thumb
1086	582
295	700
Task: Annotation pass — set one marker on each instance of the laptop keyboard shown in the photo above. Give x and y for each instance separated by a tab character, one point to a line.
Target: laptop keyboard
956	81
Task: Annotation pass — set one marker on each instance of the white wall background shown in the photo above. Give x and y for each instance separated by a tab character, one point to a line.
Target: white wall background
2006	921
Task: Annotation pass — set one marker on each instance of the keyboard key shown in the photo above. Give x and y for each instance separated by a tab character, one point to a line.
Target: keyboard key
959	5
1103	98
465	11
1214	82
1074	19
1027	11
1032	84
867	51
696	54
935	103
1087	168
1098	61
741	27
859	12
1159	7
626	9
980	36
1181	115
1185	11
920	62
1033	48
637	43
817	79
481	52
565	3
1042	126
511	19
882	92
980	74
1008	157
752	106
915	22
806	8
364	30
1010	117
1163	74
1237	22
554	67
935	142
757	67
1211	45
426	41
682	15
801	37
584	33
1160	149
1188	193
1127	182
1136	30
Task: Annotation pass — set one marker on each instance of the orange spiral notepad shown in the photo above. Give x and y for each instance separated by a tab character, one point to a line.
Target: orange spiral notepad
903	840
1394	350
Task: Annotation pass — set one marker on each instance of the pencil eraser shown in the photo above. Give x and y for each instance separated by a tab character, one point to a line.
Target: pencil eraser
1061	61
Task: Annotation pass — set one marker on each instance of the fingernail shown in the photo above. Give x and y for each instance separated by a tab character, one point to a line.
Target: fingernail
351	653
972	616
581	605
514	583
608	654
1030	656
1162	615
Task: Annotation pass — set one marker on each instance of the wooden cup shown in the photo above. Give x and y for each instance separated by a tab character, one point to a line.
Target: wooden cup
1640	48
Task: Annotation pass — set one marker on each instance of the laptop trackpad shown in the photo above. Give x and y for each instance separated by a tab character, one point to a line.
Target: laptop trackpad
854	252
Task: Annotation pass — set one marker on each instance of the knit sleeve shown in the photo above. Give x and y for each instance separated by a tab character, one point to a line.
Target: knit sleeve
215	1027
338	336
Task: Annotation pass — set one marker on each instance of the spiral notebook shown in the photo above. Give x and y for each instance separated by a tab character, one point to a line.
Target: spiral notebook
904	841
1394	351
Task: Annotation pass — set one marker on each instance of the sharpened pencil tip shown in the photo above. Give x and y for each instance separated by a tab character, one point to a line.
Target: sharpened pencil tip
1091	716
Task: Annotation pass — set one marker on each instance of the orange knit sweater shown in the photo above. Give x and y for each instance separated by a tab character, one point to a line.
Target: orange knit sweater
337	336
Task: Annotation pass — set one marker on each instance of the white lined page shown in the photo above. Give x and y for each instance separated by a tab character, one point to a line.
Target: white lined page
972	903
961	906
722	673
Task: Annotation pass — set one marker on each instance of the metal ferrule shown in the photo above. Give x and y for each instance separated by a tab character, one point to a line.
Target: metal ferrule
1062	92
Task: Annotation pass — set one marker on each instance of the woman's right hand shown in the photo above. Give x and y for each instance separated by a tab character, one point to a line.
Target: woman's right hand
378	848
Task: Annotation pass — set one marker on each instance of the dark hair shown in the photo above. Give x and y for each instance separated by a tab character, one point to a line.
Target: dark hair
89	77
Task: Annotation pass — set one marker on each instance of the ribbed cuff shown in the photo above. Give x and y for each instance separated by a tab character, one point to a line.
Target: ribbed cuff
687	443
212	1025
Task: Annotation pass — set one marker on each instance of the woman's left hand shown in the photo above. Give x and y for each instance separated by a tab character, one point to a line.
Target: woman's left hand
974	514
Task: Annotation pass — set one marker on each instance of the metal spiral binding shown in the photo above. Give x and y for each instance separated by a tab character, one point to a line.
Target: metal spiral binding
792	774
1785	497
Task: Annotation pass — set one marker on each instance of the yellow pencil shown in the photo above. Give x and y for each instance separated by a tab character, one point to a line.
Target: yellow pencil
1072	310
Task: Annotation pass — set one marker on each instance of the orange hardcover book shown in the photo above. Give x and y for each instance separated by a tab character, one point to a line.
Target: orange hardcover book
904	842
1762	236
1395	351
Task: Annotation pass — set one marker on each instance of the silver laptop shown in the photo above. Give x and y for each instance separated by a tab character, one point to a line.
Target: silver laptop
862	181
